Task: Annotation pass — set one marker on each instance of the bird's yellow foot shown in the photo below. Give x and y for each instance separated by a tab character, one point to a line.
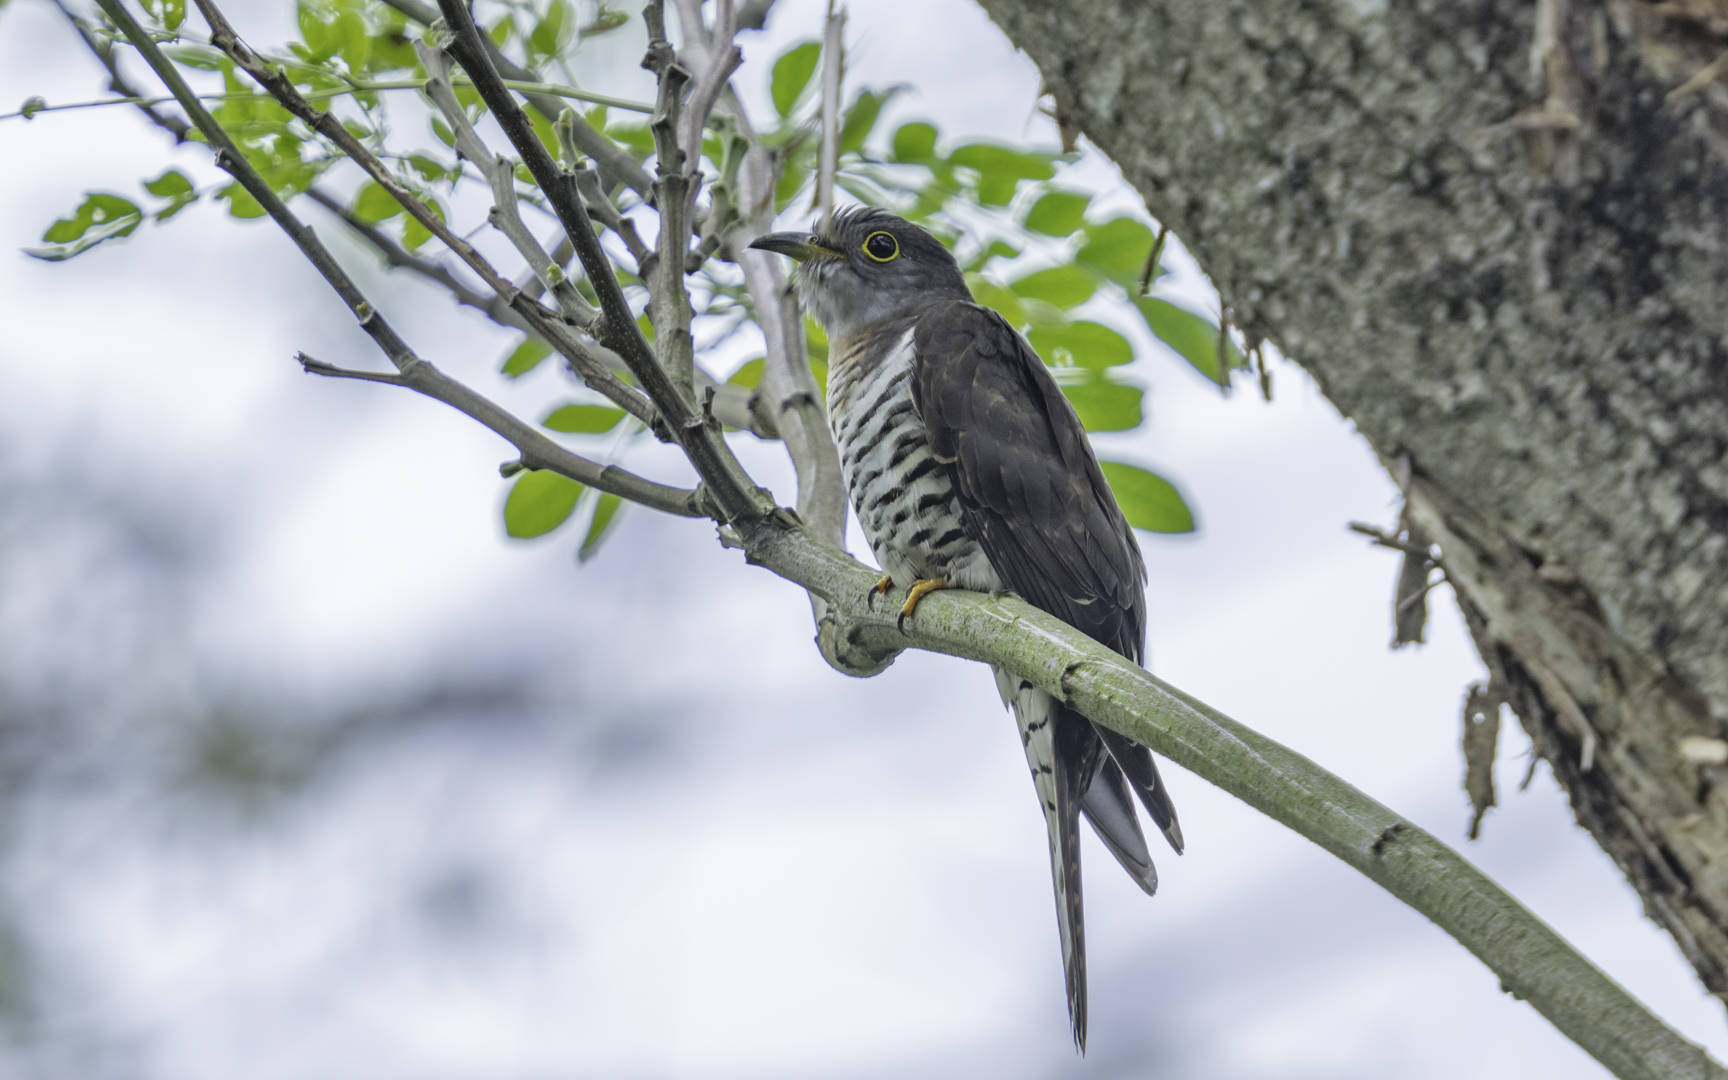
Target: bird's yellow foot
879	589
919	590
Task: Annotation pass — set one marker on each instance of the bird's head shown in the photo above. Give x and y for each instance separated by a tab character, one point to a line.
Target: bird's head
866	268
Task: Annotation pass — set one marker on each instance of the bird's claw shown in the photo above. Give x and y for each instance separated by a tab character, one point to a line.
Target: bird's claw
919	590
879	589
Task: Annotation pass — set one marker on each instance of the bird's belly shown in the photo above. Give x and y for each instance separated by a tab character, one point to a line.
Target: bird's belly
905	502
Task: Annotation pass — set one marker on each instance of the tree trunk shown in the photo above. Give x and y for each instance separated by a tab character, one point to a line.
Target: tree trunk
1494	232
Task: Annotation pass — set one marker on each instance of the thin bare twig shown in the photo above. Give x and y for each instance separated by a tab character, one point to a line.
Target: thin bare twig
668	299
1151	270
395	255
720	59
537	451
1705	75
833	75
735	495
117	82
616	166
1387	539
500	173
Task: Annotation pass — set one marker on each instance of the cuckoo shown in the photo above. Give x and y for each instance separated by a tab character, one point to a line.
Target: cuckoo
969	469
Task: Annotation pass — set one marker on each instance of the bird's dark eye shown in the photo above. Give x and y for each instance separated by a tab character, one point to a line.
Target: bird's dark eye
881	246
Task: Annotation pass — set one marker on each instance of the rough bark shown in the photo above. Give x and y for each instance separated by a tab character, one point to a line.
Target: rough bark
1499	248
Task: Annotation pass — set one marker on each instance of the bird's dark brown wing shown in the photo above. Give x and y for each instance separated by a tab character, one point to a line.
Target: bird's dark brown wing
1033	497
1031	492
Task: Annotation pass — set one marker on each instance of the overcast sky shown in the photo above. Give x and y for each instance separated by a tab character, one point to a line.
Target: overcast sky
695	851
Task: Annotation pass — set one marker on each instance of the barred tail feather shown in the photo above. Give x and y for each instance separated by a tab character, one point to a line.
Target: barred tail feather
1056	742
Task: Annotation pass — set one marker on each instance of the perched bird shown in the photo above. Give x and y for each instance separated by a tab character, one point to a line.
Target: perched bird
969	469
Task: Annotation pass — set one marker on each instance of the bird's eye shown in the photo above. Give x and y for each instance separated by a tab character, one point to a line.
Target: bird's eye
881	246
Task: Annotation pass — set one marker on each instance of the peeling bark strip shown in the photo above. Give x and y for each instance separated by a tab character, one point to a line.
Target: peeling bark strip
1503	253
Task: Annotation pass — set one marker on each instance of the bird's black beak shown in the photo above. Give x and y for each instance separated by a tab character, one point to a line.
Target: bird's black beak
799	245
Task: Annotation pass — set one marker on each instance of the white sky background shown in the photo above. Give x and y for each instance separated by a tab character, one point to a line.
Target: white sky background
717	858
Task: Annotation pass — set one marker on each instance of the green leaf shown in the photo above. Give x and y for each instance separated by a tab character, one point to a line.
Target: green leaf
605	513
392	51
1148	500
1117	249
1065	286
791	75
543	128
915	142
442	130
414	234
749	376
1081	344
583	419
241	204
98	218
997	248
33	104
999	299
1195	338
353	42
169	184
603	22
173	186
526	357
860	119
1103	404
552	31
202	57
1058	213
539	502
97	209
373	204
319	35
1000	169
430	168
170	13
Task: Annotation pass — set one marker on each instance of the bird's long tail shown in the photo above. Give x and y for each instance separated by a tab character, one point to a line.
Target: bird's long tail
1077	772
1063	754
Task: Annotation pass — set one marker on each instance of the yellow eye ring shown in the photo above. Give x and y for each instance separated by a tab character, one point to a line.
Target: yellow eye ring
879	251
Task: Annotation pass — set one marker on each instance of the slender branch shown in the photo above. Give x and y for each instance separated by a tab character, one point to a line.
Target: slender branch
721	58
616	165
600	208
737	498
544	90
394	255
536	450
793	398
833	72
118	83
500	173
669	300
734	406
1532	961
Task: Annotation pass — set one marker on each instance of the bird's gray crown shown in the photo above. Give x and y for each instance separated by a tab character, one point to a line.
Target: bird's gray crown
867	268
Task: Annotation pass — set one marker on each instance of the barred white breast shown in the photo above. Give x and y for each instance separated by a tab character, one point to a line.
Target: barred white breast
905	503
